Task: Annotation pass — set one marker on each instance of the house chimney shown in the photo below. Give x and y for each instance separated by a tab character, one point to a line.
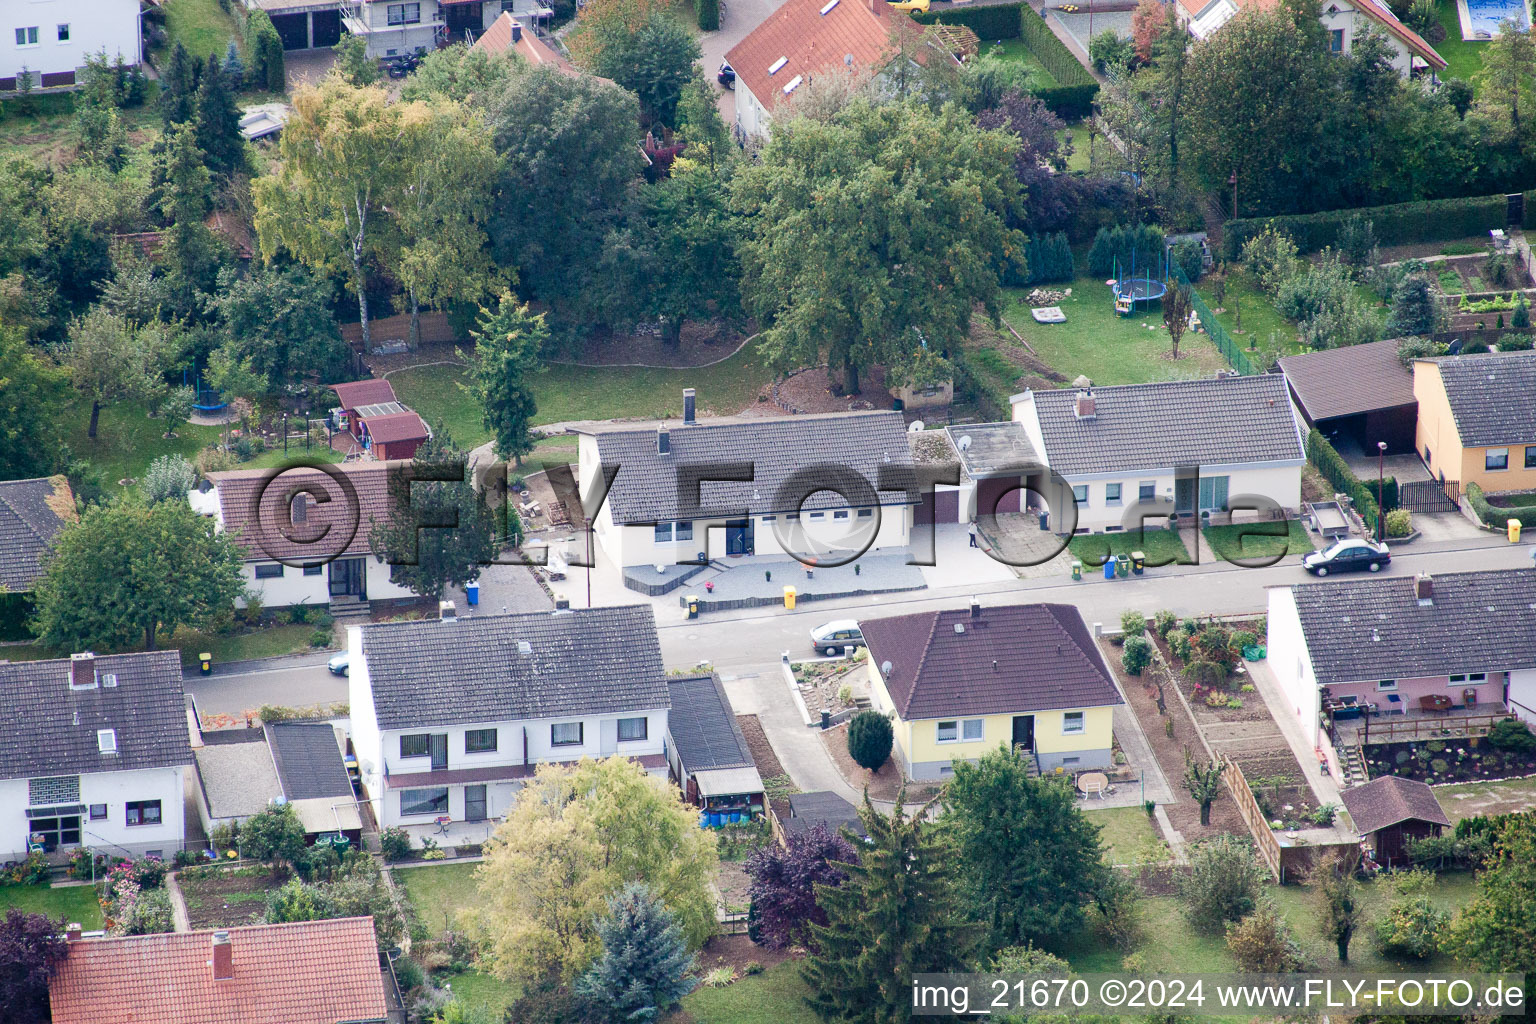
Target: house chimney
82	670
562	603
663	441
1084	405
975	607
223	957
1424	589
447	612
517	31
688	406
72	932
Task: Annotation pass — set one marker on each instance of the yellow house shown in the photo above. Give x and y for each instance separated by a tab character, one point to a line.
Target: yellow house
957	684
1477	419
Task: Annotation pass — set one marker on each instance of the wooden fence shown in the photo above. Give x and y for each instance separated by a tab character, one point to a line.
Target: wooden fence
435	330
1263	839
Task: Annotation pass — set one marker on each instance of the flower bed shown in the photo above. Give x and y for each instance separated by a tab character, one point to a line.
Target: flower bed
833	686
1448	760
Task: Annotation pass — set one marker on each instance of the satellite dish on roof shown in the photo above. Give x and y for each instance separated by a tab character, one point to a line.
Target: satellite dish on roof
965	443
915	427
885	668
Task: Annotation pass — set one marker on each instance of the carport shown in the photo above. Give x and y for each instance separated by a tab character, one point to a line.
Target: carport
997	459
1360	395
304	24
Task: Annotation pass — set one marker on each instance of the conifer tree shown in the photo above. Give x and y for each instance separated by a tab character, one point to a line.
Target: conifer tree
217	121
643	970
896	915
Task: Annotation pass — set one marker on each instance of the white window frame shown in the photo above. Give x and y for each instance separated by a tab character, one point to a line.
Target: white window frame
1467	679
1113	498
389	13
954	727
981	730
1067	720
645	729
1146	490
62	30
581	734
28	36
1386	685
1080	498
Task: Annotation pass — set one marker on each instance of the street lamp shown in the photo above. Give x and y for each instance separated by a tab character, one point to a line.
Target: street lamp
1381	509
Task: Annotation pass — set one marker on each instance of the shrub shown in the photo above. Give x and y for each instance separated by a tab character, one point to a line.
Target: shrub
1133	623
1262	943
1190	258
1412	926
1497	517
265	49
1164	622
1109	52
1178	643
1138	244
1399	522
1137	654
1414	309
1521	320
35	870
869	739
1396	224
1224	882
1356	242
1512	734
1327	461
1410	349
707	12
169	478
1515	343
1243	638
1271	258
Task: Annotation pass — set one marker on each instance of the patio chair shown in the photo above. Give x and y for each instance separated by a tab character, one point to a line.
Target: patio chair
442	822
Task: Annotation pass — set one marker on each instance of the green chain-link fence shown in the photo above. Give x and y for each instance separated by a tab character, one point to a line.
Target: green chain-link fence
1229	349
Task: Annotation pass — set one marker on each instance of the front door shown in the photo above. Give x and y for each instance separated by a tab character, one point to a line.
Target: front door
1184	494
439	751
738	537
348	577
1024	732
474	803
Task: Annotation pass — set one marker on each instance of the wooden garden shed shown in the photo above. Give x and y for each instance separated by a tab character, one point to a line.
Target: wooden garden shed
1389	811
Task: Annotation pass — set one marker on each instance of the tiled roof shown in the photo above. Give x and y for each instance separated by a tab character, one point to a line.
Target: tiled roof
1375	628
255	507
1007	659
237	779
850	34
50	729
397	426
702	727
308	760
312	972
1389	800
1383	16
1215	421
646	488
1493	397
1353	379
364	392
31	513
501	668
498	39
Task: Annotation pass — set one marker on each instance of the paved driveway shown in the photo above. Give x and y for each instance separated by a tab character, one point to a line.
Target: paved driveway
737	20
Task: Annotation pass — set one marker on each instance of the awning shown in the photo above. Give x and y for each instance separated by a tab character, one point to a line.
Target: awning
729	782
327	814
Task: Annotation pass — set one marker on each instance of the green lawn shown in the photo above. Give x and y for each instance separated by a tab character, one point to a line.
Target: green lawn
1128	835
1162	547
1296	903
1081	151
1463	59
47	134
478	989
260	643
777	996
1263	326
1109	349
274	457
582	393
439	892
1258	540
1015	49
1169	944
73	903
127	440
202	26
1474	798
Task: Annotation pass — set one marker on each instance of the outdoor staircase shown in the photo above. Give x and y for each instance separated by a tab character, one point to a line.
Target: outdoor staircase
349	610
1354	766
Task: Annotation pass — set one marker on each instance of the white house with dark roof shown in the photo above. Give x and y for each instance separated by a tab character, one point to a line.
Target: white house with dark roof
1384	643
1345	21
92	753
450	716
1190	447
770	488
50	40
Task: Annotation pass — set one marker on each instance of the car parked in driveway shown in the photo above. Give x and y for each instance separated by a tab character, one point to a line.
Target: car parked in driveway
831	637
1352	553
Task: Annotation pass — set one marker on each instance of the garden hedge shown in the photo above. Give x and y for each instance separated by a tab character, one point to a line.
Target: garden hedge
1327	461
991	24
1069	102
1052	52
1493	515
1398	224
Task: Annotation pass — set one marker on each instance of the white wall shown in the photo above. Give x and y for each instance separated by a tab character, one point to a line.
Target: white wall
1522	692
386	40
750	114
1279	482
1291	662
364	718
94	25
114	789
294	587
1353	23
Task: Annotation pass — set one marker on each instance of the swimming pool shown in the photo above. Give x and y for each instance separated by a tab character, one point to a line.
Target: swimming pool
1480	19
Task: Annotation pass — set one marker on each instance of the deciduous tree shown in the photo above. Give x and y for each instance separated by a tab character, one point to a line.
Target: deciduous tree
110	361
1339	913
279	318
1224	882
1497	931
783	881
30	404
1203	781
1177	304
31	950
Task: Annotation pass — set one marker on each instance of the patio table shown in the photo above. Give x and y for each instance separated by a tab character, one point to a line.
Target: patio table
1093	783
1435	702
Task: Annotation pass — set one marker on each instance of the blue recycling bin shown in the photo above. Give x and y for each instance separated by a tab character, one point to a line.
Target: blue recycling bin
703	821
1109	568
735	817
472	594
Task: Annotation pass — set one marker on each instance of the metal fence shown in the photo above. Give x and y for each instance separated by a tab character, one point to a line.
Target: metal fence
1230	350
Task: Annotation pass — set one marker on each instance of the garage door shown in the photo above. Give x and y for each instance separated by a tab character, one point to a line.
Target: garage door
939	507
998	495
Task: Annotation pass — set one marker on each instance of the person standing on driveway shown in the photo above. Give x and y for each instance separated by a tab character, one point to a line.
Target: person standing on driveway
973	535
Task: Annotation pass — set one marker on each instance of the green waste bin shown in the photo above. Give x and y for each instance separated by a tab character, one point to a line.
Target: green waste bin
1122	565
1077	568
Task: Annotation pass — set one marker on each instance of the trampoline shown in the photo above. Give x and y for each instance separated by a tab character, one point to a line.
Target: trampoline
208	400
1134	288
1141	289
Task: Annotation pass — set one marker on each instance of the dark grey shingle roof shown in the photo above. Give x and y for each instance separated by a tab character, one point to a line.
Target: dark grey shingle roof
1011	658
308	760
28	524
807	810
1214	421
146	709
645	489
702	727
583	662
1375	628
1493	397
1353	379
1389	800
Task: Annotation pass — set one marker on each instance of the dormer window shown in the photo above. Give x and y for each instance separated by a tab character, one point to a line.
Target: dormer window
106	741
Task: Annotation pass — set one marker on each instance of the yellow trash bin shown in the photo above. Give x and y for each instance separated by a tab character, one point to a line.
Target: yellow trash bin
789	598
1514	531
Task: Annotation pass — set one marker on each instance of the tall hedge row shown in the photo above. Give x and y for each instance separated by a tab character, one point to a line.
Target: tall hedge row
1052	52
1069	102
1497	517
1398	224
264	53
1047	259
1327	461
990	24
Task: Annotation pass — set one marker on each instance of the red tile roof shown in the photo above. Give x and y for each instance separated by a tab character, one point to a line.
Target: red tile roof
357	393
313	972
812	42
498	39
396	426
254	504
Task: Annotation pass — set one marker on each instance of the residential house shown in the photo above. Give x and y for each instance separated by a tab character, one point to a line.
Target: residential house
1477	420
92	753
507	34
49	40
1188	447
994	462
305	532
801	39
960	683
309	972
852	470
32	512
383	426
706	751
1384	643
1357	395
1345	21
450	716
241	772
1389	812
